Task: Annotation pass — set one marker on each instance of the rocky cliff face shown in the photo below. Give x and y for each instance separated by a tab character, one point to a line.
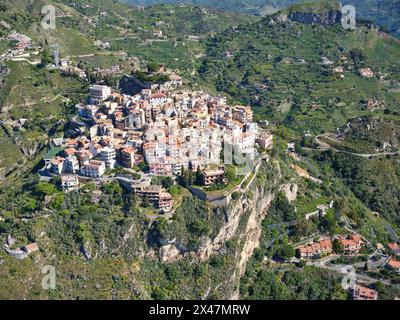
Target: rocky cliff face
323	18
243	223
256	205
319	13
250	238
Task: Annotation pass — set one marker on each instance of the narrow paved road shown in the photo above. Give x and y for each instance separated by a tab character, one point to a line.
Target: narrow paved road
326	146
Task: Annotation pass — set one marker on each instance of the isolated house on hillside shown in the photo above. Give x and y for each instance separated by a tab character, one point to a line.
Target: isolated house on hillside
393	264
364	293
394	248
30	248
352	244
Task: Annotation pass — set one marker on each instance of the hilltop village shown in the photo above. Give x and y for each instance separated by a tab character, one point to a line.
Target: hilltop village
156	132
165	130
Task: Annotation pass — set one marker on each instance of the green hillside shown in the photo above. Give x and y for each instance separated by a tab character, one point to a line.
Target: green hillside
286	70
124	27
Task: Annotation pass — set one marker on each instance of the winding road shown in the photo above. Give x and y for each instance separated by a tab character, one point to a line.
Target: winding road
326	146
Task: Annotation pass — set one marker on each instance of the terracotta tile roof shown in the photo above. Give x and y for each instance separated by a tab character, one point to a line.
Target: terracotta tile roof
165	196
210	173
313	248
158	95
326	244
348	243
32	247
393	246
364	293
355	238
70	151
71	142
316	246
394	264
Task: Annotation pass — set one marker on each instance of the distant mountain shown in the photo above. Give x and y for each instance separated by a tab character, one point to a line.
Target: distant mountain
384	12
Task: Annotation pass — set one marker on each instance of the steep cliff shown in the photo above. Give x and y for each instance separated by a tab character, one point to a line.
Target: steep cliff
243	224
257	203
323	19
317	13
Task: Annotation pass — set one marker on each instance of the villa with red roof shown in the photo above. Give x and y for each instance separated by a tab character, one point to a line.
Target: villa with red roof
393	264
394	248
352	244
364	293
315	250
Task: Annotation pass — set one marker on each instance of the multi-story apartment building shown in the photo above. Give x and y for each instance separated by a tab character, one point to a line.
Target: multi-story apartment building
157	99
265	141
213	176
71	164
156	196
69	182
94	169
57	165
315	250
99	94
108	155
88	112
127	156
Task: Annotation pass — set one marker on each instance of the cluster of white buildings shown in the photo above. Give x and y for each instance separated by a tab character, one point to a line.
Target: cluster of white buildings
167	130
